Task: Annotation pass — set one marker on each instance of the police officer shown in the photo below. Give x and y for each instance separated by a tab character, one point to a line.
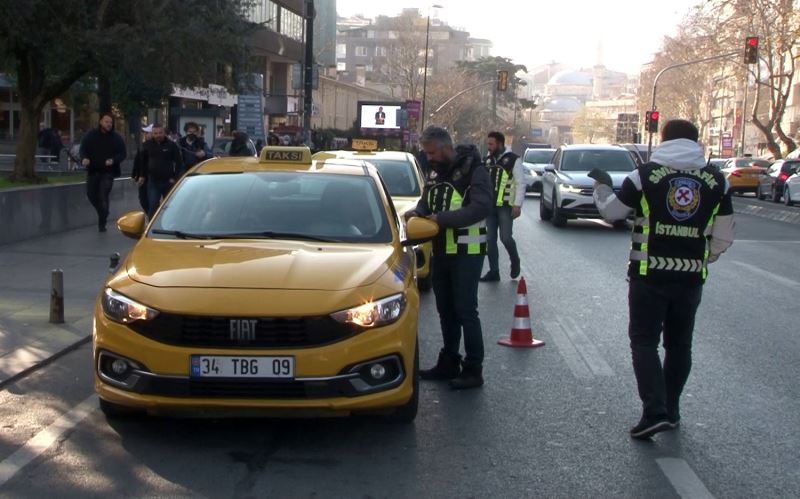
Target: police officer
684	221
458	197
505	172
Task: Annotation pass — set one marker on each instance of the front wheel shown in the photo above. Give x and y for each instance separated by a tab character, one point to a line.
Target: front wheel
544	212
426	283
407	412
776	196
114	411
559	219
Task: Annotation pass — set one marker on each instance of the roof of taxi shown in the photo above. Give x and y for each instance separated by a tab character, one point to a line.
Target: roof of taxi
281	158
396	155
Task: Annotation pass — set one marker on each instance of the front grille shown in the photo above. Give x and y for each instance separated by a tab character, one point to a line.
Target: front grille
269	332
232	389
587	192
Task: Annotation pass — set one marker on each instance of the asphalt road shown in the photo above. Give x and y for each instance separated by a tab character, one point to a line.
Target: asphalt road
550	422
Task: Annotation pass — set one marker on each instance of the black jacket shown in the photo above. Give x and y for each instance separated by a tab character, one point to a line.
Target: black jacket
161	161
188	151
98	146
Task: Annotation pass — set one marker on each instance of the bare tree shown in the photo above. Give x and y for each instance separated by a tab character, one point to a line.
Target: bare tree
589	125
406	56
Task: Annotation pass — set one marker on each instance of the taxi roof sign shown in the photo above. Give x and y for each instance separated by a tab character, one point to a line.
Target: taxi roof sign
365	144
282	154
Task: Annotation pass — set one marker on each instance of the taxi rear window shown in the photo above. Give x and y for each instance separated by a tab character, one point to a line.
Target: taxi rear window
281	205
399	176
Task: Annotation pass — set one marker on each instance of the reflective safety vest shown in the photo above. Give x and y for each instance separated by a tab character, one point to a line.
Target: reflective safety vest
673	223
469	240
501	172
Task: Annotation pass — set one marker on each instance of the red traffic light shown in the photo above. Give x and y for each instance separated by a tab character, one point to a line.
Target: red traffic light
654	115
752	41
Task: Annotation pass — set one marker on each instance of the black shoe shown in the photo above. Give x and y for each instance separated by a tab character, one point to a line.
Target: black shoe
490	277
515	269
447	367
471	377
101	228
674	421
648	427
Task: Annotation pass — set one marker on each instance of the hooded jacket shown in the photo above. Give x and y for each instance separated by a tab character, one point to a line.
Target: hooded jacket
678	156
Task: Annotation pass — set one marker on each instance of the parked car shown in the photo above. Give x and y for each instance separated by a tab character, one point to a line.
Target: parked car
566	188
718	162
791	189
534	162
744	174
776	176
403	177
271	286
222	147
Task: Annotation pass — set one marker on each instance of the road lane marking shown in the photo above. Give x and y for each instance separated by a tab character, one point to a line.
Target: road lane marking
593	358
685	482
764	241
568	351
775	277
37	445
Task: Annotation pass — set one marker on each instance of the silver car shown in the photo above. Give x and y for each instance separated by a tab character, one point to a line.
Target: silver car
534	162
566	188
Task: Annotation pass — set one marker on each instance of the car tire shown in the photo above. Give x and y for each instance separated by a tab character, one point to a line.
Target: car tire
406	413
559	219
787	198
426	283
760	194
776	196
115	411
544	212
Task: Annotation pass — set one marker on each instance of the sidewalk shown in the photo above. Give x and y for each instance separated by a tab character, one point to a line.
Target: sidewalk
26	335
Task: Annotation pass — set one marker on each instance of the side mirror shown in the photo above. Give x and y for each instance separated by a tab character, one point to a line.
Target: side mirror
550	168
419	230
132	224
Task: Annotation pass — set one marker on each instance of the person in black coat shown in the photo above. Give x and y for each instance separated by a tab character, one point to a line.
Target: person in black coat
239	145
138	173
102	150
162	163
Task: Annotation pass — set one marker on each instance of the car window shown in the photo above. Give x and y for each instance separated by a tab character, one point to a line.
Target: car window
791	167
314	205
608	160
399	176
538	156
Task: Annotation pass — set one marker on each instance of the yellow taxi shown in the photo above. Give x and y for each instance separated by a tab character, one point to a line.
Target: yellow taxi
264	286
404	180
744	174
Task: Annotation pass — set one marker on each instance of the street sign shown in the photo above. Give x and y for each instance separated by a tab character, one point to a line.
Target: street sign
250	116
727	142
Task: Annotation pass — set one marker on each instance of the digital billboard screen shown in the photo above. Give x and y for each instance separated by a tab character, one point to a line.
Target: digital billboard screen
378	115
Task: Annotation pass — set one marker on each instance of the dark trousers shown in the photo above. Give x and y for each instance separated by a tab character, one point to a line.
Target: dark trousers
501	219
143	198
98	189
654	308
455	284
156	189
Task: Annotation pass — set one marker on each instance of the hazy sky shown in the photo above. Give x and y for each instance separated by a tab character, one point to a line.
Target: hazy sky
567	31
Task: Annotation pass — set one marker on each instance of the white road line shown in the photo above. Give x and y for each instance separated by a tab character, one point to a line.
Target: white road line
683	479
763	241
571	355
37	445
775	277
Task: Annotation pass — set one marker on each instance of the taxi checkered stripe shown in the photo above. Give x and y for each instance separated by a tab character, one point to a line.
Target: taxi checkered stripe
676	264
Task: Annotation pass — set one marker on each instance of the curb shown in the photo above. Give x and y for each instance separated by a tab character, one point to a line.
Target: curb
46	361
790	216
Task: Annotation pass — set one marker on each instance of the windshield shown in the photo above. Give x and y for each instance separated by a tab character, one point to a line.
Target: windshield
399	176
276	205
745	162
538	156
608	160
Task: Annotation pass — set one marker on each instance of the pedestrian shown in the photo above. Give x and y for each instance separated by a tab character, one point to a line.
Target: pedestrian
239	145
162	163
505	173
458	198
273	140
193	146
684	221
102	151
139	173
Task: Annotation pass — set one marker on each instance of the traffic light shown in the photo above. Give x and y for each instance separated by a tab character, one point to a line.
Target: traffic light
751	50
651	121
502	81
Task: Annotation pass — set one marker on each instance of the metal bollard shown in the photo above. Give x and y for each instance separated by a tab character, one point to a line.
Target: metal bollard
113	262
57	297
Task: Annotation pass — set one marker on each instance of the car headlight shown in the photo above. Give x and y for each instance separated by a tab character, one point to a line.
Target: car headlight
571	188
122	309
375	313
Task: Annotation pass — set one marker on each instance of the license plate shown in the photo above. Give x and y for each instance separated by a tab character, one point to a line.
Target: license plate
218	366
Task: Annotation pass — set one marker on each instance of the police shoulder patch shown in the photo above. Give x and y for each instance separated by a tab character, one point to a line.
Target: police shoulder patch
683	198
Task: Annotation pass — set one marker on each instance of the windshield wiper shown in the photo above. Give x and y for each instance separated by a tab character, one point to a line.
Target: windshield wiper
277	235
180	234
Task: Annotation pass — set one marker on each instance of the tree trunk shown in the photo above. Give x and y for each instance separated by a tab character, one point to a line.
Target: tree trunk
25	160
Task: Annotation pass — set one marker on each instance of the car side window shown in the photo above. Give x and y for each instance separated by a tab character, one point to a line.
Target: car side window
557	160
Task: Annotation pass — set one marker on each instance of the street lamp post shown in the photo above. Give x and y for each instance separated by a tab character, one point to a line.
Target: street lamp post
425	74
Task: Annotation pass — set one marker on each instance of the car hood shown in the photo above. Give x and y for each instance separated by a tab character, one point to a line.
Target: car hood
251	264
539	167
582	179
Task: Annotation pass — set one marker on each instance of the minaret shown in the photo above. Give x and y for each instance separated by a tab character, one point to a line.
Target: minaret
599	74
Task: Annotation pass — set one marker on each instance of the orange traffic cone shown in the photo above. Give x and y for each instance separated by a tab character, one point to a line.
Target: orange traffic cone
521	334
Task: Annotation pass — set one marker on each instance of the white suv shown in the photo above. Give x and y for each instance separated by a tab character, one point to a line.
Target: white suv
534	162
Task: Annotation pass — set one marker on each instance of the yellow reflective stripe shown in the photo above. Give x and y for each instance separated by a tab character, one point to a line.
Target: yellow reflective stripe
645	232
708	252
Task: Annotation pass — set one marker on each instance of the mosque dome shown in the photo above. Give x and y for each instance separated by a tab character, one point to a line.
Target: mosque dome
571	77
